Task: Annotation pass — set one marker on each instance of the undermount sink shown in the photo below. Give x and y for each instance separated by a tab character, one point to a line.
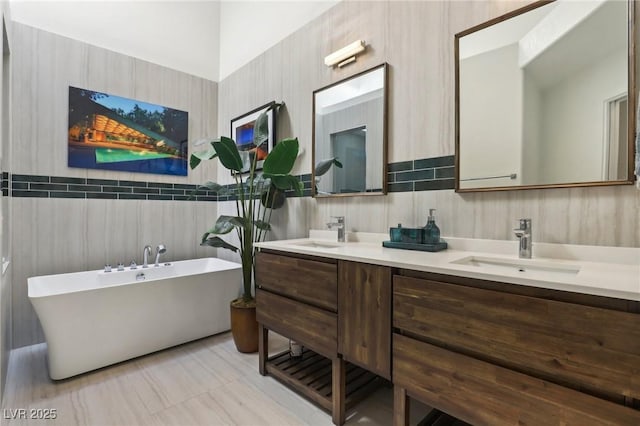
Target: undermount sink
317	244
523	266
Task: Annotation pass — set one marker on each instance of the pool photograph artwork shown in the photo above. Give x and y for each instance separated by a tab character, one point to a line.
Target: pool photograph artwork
114	133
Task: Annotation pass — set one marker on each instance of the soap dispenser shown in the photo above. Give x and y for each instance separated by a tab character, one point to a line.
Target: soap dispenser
431	231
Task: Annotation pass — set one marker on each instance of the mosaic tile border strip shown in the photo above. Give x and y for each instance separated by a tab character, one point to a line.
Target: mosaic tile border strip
4	183
40	186
406	176
427	174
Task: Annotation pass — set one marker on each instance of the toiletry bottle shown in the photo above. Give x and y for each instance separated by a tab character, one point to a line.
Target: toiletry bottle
431	231
396	233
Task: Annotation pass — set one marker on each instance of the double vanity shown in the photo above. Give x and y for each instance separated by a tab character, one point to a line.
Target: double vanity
473	331
544	98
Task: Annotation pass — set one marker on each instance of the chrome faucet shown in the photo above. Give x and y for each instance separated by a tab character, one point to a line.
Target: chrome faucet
339	224
524	234
161	249
146	252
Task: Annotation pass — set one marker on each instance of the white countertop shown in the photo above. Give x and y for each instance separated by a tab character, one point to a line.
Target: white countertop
602	271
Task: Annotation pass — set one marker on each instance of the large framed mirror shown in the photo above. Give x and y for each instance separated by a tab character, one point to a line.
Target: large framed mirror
546	97
349	146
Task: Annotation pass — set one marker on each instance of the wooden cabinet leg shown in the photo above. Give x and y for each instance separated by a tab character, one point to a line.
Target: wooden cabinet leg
263	349
338	390
400	406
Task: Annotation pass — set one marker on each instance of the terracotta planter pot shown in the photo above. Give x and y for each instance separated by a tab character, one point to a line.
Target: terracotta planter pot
244	327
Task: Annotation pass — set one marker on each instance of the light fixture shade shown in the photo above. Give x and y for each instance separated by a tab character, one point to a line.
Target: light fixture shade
344	53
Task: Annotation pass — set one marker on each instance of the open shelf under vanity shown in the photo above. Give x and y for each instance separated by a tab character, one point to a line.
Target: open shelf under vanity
310	375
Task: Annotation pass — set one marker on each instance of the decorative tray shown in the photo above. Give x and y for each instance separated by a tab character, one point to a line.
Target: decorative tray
442	245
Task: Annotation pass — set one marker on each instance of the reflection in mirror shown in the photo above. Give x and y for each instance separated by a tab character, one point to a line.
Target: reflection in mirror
350	145
543	98
349	138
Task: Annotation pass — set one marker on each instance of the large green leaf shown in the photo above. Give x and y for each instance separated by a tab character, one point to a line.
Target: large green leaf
246	157
198	156
323	166
215	187
218	243
260	181
228	154
211	186
281	159
262	225
219	228
272	197
261	129
261	125
204	237
238	221
285	182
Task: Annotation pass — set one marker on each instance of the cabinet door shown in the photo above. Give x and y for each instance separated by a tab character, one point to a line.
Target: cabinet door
481	393
592	348
309	281
364	316
313	327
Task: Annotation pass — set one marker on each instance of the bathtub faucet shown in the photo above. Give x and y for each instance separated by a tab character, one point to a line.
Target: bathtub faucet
146	252
161	249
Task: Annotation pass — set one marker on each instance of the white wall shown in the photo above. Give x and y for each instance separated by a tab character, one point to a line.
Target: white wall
491	92
208	38
563	17
182	35
248	28
573	120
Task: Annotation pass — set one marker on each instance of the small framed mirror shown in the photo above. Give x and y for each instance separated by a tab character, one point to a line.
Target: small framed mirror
546	97
350	136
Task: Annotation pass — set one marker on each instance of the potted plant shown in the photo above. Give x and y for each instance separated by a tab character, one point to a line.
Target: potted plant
256	194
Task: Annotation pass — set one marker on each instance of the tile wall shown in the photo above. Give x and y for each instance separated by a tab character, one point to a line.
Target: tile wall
416	39
69	219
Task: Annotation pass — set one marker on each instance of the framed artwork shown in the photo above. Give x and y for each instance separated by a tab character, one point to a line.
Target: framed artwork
242	134
110	132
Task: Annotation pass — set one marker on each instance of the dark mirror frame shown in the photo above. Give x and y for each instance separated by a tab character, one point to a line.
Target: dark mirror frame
385	131
631	78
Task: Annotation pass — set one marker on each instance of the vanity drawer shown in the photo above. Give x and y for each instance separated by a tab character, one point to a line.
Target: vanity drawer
588	348
485	394
311	281
313	327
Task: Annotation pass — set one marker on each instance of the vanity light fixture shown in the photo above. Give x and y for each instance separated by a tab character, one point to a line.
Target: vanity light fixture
346	55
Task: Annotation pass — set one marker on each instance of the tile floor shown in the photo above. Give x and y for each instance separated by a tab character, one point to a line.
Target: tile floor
206	382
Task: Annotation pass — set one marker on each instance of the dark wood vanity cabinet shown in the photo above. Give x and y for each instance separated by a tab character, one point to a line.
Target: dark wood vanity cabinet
488	353
364	316
491	353
339	311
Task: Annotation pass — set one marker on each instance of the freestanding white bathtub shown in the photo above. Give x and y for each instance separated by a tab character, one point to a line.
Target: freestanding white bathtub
94	319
